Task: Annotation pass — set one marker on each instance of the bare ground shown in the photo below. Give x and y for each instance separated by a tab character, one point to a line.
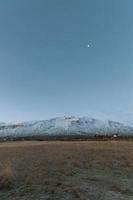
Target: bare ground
85	170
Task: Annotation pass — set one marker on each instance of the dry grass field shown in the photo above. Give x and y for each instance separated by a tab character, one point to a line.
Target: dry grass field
85	170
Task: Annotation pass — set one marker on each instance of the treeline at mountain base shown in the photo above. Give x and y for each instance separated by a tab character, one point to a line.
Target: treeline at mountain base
68	138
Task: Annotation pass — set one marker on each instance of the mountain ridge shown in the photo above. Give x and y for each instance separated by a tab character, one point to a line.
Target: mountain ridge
65	126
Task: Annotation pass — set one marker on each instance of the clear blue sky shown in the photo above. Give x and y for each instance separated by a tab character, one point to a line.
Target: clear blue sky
46	69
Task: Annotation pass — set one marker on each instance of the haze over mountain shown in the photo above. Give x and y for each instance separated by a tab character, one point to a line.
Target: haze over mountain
65	126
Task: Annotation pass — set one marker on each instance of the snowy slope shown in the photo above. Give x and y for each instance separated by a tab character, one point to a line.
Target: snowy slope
64	126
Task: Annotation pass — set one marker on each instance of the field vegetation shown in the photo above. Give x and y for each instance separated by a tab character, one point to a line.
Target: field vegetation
66	170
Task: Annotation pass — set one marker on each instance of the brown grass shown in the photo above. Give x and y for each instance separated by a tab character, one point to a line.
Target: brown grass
6	178
66	170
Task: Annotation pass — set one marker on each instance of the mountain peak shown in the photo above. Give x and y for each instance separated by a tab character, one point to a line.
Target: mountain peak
65	125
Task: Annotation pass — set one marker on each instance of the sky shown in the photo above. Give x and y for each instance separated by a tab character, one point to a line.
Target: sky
47	68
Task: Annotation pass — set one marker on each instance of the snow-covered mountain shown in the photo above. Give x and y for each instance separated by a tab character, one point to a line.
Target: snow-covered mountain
66	126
